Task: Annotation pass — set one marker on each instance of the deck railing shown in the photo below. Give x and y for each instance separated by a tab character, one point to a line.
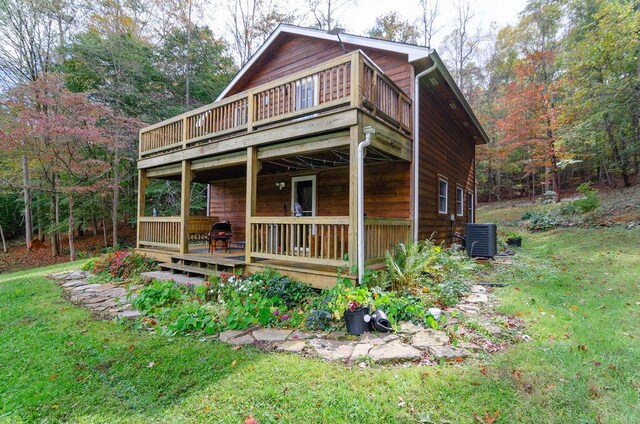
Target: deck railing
321	88
314	240
382	235
159	231
164	231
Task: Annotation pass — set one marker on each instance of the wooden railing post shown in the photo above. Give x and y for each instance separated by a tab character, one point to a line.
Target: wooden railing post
142	185
185	194
253	167
185	132
357	69
250	111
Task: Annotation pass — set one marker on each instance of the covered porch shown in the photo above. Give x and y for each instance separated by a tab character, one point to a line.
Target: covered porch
256	191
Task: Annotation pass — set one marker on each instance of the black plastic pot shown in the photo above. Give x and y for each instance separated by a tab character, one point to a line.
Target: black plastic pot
516	241
356	324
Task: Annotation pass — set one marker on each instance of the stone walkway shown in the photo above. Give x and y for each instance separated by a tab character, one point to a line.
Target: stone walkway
106	300
410	343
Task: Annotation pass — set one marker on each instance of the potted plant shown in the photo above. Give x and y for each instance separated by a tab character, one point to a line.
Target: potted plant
514	239
353	304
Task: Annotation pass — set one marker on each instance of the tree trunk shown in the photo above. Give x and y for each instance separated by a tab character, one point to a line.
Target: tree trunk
54	235
95	225
4	243
26	182
104	233
116	194
72	246
616	152
39	219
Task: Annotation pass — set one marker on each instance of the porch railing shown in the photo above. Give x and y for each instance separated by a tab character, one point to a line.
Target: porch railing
164	231
313	240
159	231
321	88
382	235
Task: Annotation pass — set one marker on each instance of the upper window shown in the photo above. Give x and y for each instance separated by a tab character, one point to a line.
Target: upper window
306	92
459	201
443	188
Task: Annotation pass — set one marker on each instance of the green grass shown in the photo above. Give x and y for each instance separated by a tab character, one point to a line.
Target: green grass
572	287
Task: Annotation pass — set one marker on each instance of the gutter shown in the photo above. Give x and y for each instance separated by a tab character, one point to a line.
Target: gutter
416	147
368	130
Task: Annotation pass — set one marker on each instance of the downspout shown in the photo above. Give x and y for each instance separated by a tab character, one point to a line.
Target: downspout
416	147
368	130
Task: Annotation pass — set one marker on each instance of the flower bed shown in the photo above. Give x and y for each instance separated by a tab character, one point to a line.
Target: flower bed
119	265
420	277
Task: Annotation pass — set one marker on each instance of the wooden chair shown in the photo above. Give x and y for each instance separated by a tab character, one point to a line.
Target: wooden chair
220	231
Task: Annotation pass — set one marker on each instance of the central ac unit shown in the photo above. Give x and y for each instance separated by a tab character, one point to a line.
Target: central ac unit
481	240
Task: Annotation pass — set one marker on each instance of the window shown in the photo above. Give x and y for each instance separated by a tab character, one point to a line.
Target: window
443	188
470	216
306	92
459	201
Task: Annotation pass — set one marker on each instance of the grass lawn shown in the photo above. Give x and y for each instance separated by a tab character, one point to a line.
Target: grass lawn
576	289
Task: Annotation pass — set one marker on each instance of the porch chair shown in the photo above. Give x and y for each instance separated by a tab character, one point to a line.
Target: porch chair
220	231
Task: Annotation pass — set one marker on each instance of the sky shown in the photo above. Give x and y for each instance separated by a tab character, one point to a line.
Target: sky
357	18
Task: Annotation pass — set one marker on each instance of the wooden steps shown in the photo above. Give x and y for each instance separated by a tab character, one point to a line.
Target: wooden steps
189	269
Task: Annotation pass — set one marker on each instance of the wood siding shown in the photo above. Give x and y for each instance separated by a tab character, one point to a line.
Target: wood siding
445	150
386	195
295	53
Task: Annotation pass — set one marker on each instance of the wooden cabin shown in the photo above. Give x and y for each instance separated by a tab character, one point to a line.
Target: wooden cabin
278	150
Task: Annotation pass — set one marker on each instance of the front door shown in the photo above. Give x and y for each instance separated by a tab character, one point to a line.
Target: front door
303	196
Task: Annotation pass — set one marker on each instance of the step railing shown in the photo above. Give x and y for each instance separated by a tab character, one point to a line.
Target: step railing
305	93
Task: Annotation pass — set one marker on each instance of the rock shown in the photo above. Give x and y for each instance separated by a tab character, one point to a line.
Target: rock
372	338
469	309
74	283
295	346
477	298
429	337
478	289
408	328
95	299
85	287
494	330
388	337
71	275
129	314
104	305
337	335
396	351
361	349
469	346
247	339
448	353
225	336
301	335
435	313
271	335
332	350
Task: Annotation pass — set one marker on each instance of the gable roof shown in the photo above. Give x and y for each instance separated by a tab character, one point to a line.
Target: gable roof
418	56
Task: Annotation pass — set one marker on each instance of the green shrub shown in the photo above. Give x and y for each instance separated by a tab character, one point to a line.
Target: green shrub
542	221
156	295
407	264
591	201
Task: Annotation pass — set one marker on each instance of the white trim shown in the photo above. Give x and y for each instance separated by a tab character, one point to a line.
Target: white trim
459	200
446	195
314	185
413	52
471	209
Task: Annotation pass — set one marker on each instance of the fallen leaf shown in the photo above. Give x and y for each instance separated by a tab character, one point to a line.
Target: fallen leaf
80	378
207	409
235	361
551	386
131	347
518	314
516	288
151	364
486	418
483	370
236	347
69	343
517	374
53	376
574	307
55	406
611	367
251	420
596	363
582	348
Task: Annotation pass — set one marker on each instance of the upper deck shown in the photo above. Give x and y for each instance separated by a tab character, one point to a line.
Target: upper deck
347	82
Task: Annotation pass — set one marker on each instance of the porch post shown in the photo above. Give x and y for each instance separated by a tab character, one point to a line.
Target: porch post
185	194
353	196
142	185
253	167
